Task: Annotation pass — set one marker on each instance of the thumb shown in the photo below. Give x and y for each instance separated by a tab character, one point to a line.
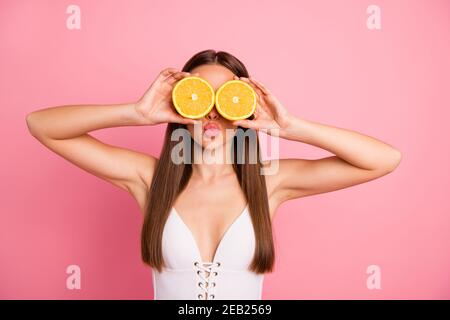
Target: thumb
184	120
246	124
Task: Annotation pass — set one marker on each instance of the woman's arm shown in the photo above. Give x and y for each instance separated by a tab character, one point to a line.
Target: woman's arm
65	131
358	158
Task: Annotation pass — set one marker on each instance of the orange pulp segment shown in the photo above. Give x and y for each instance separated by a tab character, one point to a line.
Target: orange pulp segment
235	100
193	97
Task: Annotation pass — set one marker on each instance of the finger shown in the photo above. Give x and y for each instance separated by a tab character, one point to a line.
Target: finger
177	76
261	86
257	124
259	114
260	110
164	74
244	79
183	120
180	75
264	111
258	84
168	71
174	79
258	92
169	77
190	121
250	124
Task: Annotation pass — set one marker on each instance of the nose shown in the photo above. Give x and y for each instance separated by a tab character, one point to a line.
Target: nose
213	115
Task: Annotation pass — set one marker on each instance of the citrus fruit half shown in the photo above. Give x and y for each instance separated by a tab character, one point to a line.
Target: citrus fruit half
235	100
193	97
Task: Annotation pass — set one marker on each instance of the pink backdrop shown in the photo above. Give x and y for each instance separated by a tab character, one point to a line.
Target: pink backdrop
322	62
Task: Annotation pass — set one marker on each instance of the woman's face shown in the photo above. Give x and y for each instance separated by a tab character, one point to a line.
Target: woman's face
214	126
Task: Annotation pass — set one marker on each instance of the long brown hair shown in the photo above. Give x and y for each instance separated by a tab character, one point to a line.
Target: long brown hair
170	179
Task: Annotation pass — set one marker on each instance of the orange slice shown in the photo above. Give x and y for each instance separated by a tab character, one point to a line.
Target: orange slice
193	97
235	100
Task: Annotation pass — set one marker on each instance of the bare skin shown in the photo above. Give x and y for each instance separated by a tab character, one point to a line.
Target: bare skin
357	158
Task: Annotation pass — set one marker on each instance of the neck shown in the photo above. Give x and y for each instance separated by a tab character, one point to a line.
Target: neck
214	164
210	172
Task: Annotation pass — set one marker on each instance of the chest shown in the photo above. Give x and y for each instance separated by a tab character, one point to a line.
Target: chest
208	221
207	213
234	248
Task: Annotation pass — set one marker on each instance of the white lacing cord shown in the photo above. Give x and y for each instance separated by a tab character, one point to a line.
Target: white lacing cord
207	284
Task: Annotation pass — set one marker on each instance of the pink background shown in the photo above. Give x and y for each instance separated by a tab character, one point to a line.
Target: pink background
321	61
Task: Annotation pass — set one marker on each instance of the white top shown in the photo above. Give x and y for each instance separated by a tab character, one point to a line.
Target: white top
227	277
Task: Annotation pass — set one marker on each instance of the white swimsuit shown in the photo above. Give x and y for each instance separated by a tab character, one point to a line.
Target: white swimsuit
186	277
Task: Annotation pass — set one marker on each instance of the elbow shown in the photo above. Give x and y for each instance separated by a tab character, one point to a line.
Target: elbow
392	160
31	124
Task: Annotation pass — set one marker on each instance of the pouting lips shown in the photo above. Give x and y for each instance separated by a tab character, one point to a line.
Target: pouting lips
212	132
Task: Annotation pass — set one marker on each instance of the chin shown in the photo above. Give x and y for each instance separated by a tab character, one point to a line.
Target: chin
212	143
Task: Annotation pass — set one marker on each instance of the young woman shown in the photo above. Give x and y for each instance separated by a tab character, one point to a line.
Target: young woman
207	226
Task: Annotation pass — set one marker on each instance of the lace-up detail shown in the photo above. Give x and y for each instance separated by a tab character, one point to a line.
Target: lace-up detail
206	272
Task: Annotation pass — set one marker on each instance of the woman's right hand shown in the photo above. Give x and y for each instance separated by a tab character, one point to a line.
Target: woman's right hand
155	106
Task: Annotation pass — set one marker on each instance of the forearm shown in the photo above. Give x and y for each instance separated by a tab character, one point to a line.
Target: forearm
68	121
355	148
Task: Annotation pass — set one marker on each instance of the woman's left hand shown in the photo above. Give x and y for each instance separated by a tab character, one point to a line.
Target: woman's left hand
269	114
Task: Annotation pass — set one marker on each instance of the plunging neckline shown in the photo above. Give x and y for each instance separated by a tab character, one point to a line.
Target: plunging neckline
222	239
